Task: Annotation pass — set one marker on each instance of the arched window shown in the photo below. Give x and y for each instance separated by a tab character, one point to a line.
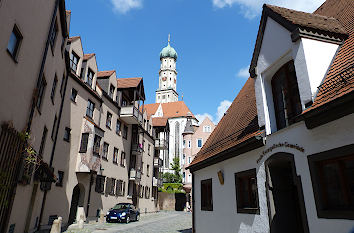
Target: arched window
177	139
286	96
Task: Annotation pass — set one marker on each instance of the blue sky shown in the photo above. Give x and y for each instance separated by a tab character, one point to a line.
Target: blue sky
214	40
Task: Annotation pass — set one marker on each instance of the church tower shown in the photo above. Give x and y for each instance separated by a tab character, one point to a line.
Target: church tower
167	75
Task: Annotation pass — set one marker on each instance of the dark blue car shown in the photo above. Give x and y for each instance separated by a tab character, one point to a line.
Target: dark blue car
123	212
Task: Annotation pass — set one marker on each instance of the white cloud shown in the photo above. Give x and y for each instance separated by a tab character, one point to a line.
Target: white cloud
252	8
201	117
223	106
123	6
243	72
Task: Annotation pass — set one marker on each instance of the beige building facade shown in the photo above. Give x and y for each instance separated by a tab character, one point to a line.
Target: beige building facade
92	145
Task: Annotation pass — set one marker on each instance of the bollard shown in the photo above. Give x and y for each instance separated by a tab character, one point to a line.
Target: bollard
81	222
56	227
101	220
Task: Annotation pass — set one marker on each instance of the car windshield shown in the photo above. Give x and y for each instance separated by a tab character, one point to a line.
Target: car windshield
120	206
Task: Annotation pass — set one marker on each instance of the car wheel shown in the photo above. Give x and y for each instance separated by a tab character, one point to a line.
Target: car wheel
128	220
137	217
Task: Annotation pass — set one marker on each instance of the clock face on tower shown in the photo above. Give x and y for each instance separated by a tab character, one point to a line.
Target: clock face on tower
164	78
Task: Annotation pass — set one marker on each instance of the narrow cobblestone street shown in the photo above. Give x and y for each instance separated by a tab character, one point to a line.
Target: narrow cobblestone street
164	221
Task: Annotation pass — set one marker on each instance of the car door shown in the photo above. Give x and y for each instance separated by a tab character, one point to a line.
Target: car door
133	213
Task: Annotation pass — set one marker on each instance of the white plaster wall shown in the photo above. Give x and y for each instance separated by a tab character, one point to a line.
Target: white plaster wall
319	56
311	58
224	215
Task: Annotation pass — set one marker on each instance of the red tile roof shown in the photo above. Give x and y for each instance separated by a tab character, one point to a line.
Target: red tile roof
102	74
309	20
332	87
128	82
73	38
239	124
170	110
158	121
88	56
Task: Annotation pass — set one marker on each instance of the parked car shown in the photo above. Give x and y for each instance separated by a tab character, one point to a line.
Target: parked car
123	212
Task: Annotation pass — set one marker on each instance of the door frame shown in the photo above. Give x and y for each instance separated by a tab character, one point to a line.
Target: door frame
297	182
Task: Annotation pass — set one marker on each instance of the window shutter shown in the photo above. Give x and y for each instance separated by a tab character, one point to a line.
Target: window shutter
108	186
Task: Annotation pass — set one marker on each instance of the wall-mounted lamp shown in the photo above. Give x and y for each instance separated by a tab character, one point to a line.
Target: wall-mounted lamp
221	177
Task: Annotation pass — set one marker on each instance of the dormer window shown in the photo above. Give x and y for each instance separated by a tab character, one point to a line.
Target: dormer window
111	91
286	96
89	77
74	60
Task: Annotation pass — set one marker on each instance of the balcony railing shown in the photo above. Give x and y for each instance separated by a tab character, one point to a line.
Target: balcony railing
160	144
157	182
131	115
135	174
137	148
157	162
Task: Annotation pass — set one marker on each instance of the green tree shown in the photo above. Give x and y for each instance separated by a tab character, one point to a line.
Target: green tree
177	170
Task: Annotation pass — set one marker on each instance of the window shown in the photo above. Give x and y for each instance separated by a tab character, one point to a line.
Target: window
183	158
14	42
100	183
111	91
199	142
90	75
84	141
147	192
74	60
206	195
189	160
54	127
82	73
189	144
67	134
246	192
54	87
109	120
41	89
115	155
111	183
149	148
118	127
62	86
120	188
332	175
206	129
125	132
184	143
53	34
44	137
286	96
105	150
147	170
122	159
73	95
96	145
60	179
90	108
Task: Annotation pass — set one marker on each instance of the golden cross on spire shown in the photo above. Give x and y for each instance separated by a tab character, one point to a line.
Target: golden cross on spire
169	37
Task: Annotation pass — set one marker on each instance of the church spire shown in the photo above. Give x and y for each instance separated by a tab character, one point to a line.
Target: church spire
169	38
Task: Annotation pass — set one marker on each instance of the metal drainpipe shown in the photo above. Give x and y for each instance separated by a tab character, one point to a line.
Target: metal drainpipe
55	138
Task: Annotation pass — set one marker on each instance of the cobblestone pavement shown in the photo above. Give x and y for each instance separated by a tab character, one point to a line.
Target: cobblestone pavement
161	222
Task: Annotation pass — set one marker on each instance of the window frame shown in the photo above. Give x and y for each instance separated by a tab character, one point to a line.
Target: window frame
73	99
19	38
115	155
118	132
54	88
41	93
89	79
333	155
73	57
67	131
104	151
59	183
100	183
96	145
89	111
240	208
122	159
109	120
201	142
204	206
83	147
